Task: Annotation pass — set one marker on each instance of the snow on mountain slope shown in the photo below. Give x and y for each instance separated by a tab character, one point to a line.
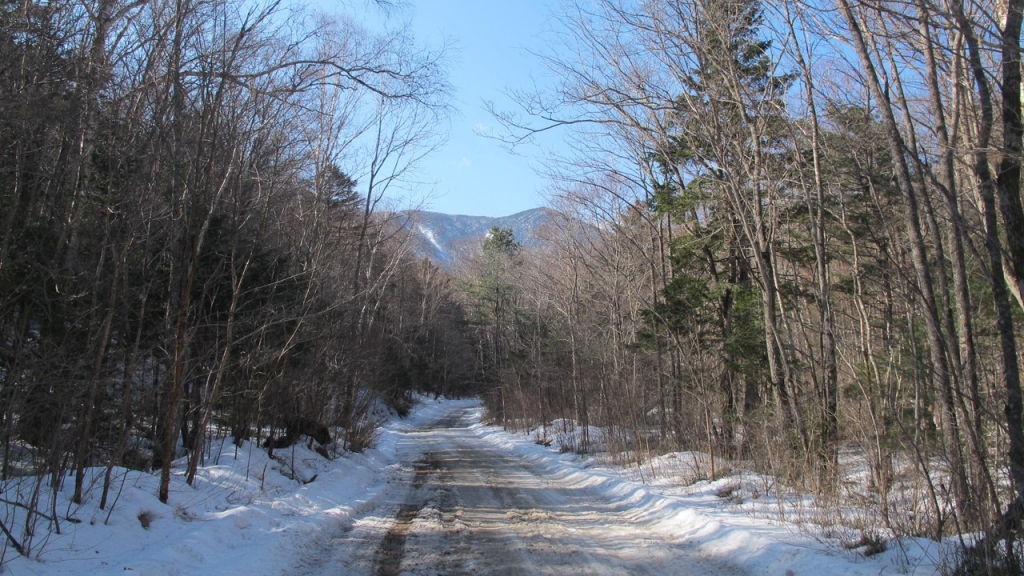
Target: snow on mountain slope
445	238
430	236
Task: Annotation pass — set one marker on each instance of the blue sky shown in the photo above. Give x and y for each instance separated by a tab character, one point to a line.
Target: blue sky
490	52
492	43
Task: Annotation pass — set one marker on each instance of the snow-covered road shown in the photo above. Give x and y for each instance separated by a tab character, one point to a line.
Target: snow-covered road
441	493
464	506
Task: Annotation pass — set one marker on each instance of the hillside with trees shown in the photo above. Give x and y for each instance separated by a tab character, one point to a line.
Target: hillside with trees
792	238
190	240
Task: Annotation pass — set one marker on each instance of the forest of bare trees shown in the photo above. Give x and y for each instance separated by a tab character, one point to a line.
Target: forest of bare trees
789	235
793	238
192	240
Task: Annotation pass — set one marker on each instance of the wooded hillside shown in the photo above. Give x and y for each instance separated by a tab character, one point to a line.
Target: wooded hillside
790	236
189	233
793	238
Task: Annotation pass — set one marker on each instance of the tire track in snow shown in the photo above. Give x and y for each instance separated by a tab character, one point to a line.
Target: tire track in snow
392	549
463	506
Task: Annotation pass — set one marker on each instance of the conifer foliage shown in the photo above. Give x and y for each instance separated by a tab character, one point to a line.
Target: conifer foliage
790	240
190	236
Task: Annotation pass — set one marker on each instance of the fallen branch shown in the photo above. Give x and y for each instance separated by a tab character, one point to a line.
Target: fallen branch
14	542
26	507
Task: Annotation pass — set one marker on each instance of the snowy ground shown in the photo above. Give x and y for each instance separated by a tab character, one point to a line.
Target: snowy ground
442	493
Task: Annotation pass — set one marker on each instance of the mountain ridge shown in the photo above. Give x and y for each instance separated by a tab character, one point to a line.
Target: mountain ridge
445	239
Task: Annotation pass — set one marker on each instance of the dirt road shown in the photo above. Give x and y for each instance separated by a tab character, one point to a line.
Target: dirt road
460	506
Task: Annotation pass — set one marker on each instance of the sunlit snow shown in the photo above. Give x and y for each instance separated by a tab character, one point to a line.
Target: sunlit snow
245	516
429	235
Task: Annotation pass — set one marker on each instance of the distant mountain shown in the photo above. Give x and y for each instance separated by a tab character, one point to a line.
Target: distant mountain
443	238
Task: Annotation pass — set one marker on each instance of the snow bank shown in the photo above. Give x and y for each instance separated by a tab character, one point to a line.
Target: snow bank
243	515
729	519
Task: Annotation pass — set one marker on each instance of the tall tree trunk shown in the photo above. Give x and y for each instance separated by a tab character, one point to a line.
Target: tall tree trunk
1009	169
101	340
1006	185
829	379
947	184
936	341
